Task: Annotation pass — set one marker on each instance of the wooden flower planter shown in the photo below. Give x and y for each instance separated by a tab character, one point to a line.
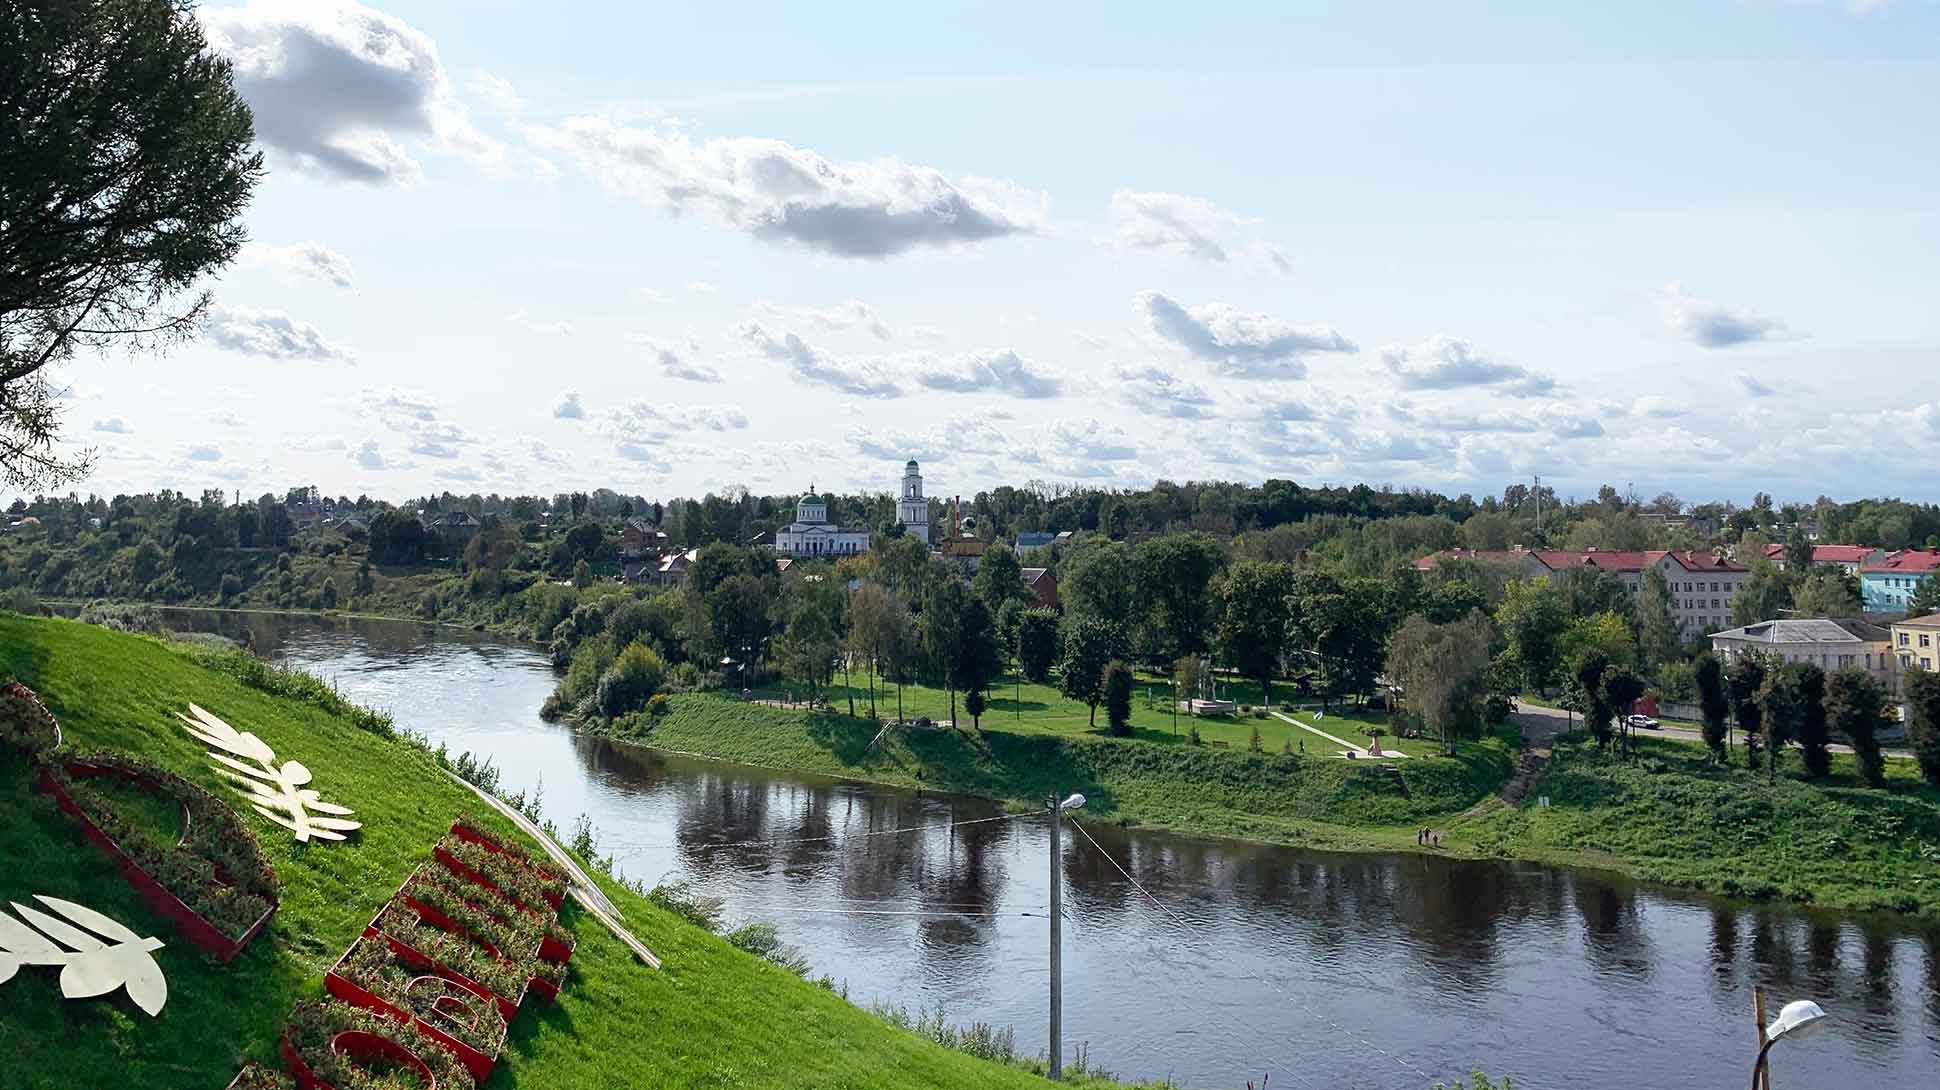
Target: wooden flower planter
477	1062
355	1044
491	844
508	1006
204	935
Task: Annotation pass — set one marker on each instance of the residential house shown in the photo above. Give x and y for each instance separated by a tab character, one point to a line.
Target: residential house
1043	587
1829	645
1702	585
673	567
1916	642
1889	585
1849	557
454	528
640	537
1038	539
1703	527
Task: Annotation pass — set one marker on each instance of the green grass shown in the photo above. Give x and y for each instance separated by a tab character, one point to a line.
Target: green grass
713	1018
1148	780
1669	816
1040	709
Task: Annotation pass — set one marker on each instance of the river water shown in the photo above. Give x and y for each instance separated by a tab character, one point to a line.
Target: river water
1327	970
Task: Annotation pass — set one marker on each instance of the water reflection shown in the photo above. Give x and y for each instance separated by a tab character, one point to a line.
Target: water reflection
1338	970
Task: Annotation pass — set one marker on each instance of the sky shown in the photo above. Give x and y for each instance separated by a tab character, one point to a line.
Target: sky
514	248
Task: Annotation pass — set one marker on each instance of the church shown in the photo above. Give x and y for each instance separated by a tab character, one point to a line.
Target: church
812	534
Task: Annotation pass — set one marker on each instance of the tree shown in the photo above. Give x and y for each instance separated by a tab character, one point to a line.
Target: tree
1587	671
1533	617
1713	704
1442	670
636	674
1622	688
1590	591
1926	598
1743	678
1828	591
125	165
1000	579
1187	674
1781	704
974	703
812	633
1855	707
1606	632
1037	643
1814	732
1657	636
1255	617
1763	596
1089	644
1097	579
327	597
738	614
1798	551
979	658
1175	574
873	611
582	575
1922	693
1346	625
1117	684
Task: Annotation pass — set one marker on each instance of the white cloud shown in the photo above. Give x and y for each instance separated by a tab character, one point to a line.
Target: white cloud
1193	226
271	334
1154	391
999	371
850	315
567	406
312	260
369	455
312	444
640	428
1451	363
113	425
1658	406
224	418
202	452
496	92
811	365
338	88
1717	325
678	363
780	193
1238	343
996	371
1751	386
391	402
701	287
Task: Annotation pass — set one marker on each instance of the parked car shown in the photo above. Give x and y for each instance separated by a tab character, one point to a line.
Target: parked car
1643	722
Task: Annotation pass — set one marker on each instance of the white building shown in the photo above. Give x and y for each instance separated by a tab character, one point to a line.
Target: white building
811	534
1829	645
912	510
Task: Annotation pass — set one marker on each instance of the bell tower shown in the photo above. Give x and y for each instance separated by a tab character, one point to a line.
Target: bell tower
912	510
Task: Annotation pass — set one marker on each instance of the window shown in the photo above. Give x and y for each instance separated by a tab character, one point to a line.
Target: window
1714	587
1902	639
1926	640
1926	663
1714	603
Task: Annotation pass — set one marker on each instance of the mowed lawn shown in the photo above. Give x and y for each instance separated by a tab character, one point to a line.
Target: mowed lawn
1030	708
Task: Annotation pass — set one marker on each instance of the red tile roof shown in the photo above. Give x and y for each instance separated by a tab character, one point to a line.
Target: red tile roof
1911	560
1827	554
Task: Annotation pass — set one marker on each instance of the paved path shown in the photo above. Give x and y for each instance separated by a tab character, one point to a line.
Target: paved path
1360	752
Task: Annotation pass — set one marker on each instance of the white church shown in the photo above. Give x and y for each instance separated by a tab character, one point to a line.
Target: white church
812	534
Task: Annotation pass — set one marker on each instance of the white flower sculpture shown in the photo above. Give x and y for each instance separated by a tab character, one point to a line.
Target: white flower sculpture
89	965
275	790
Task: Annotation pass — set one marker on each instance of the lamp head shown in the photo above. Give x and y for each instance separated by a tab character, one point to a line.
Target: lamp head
1798	1019
1075	802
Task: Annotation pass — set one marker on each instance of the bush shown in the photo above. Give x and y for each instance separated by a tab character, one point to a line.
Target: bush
636	674
1192	735
20	600
657	705
1253	743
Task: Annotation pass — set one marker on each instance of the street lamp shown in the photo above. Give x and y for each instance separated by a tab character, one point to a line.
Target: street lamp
1075	802
1797	1020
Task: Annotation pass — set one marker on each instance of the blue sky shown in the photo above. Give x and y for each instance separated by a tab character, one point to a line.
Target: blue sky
1682	246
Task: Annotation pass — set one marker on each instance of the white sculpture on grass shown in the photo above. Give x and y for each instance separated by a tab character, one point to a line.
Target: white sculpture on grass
275	790
90	966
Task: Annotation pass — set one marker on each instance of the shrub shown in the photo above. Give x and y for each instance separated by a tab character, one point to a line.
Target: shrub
1117	684
1192	735
636	674
657	705
683	900
763	941
1253	743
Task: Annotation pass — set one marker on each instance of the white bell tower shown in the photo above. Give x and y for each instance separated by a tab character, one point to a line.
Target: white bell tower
912	510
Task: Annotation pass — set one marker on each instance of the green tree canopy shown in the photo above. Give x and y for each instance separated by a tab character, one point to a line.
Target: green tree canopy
1089	644
1856	710
1533	617
1255	618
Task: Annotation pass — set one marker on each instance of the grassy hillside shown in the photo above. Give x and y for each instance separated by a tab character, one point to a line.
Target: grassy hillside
1671	817
714	1017
1266	796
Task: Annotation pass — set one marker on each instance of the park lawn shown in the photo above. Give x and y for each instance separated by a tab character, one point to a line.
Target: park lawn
713	1018
1040	708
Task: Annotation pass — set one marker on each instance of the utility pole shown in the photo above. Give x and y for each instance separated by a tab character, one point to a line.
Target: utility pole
1057	955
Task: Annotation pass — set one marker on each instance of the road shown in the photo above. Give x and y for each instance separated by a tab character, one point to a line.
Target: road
1534	715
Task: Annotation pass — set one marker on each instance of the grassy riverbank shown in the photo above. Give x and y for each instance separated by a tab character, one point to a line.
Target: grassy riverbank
714	1017
1667	816
1269	796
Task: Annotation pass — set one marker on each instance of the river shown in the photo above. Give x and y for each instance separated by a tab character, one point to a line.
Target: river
1327	970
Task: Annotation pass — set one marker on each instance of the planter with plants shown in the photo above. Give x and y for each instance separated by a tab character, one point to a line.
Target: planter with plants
458	959
550	879
212	882
25	723
457	905
330	1045
466	1021
494	871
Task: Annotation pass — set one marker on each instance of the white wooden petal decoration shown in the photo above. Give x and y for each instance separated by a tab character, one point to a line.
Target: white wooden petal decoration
276	791
91	964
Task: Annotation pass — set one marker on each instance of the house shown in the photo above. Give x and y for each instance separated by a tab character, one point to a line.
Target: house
673	567
640	536
1043	587
1703	527
1849	557
1702	585
1038	539
1916	642
1889	585
812	534
1829	645
454	528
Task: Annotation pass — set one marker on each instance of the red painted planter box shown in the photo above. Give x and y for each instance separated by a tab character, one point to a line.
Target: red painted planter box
352	1043
555	951
477	1062
491	844
202	934
453	864
508	1007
